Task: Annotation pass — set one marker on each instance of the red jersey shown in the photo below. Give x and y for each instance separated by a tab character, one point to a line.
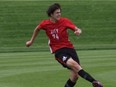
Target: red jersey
57	33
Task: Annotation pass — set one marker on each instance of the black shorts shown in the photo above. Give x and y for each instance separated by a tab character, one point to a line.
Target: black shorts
63	54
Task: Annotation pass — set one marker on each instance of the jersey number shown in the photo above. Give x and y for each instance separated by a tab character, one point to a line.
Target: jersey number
55	34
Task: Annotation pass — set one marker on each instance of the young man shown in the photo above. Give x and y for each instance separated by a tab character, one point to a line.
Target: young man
56	30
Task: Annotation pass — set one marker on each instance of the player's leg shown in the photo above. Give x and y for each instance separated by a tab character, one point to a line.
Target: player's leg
68	58
77	69
72	80
62	56
73	76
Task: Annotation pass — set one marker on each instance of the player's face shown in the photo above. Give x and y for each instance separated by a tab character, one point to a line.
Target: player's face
57	14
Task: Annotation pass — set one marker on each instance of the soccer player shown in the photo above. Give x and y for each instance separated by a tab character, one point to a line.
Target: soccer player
56	30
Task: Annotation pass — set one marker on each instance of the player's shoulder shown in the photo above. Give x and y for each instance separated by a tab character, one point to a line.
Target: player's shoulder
46	21
65	19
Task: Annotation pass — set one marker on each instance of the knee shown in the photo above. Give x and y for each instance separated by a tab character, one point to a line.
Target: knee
76	67
73	65
74	77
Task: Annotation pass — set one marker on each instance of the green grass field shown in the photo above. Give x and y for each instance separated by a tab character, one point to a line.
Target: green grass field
35	66
39	69
96	19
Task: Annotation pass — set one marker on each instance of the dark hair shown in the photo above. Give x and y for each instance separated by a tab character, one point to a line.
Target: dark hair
52	8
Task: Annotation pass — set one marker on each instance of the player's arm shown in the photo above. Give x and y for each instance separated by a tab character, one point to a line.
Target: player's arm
72	26
77	31
35	33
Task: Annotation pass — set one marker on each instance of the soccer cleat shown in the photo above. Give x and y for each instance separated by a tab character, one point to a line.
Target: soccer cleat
97	84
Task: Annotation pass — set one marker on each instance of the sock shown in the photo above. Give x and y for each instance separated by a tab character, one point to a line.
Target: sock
69	83
86	76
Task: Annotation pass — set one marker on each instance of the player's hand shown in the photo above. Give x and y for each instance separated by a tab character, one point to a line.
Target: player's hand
29	43
78	32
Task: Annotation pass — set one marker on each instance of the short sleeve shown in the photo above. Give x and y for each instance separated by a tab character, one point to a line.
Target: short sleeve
69	24
41	25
